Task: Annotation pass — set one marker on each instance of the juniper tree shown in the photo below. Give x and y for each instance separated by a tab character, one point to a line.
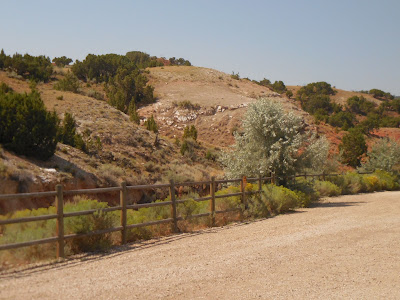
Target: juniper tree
274	140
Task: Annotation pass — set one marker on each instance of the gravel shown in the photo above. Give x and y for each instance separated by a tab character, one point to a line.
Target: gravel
345	247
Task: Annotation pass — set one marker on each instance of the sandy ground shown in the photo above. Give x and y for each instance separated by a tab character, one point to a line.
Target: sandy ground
344	248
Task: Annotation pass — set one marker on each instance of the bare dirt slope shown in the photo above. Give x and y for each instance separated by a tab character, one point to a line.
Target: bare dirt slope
121	150
345	248
221	99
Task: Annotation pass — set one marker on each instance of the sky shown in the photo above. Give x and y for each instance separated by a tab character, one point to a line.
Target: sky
353	45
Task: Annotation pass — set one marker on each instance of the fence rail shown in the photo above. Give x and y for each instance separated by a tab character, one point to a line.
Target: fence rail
59	194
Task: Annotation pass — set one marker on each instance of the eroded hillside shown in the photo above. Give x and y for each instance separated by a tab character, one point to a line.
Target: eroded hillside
119	149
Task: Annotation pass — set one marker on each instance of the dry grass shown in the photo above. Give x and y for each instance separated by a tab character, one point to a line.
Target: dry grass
125	147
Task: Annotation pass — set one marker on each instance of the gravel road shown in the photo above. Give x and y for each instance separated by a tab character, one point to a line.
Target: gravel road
344	248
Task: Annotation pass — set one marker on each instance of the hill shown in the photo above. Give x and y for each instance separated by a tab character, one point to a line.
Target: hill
215	102
126	151
211	100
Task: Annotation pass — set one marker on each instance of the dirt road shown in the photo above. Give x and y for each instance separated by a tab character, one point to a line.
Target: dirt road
345	248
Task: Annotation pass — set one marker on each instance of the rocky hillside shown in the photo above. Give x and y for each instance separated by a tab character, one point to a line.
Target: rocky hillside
215	102
119	149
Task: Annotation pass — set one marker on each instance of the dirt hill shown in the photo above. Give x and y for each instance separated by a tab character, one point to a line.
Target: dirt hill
213	101
126	151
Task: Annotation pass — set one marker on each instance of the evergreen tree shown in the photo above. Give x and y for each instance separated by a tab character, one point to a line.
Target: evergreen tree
68	130
133	114
62	61
353	147
151	124
26	127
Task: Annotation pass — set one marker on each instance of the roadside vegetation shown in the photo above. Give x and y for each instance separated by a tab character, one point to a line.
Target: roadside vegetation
272	200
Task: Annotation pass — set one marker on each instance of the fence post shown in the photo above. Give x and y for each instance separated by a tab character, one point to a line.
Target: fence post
60	221
305	175
212	202
173	206
273	178
323	175
243	184
122	203
259	184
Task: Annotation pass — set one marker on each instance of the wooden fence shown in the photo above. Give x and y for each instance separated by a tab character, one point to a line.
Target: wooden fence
59	194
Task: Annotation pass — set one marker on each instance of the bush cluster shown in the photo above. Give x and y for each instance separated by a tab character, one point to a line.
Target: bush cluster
151	124
26	127
273	200
69	83
62	61
277	86
37	68
124	81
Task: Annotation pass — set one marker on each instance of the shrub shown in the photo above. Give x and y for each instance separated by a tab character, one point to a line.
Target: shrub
379	94
61	97
343	119
190	132
289	94
23	232
327	188
179	62
111	173
133	114
279	198
384	155
349	183
26	127
305	191
229	202
278	87
151	124
4	88
62	61
69	83
372	183
187	105
211	155
37	68
353	147
271	142
235	76
317	103
68	130
387	181
84	224
95	94
315	88
360	105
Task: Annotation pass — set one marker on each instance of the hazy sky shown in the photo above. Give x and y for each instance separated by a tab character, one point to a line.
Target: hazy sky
353	45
